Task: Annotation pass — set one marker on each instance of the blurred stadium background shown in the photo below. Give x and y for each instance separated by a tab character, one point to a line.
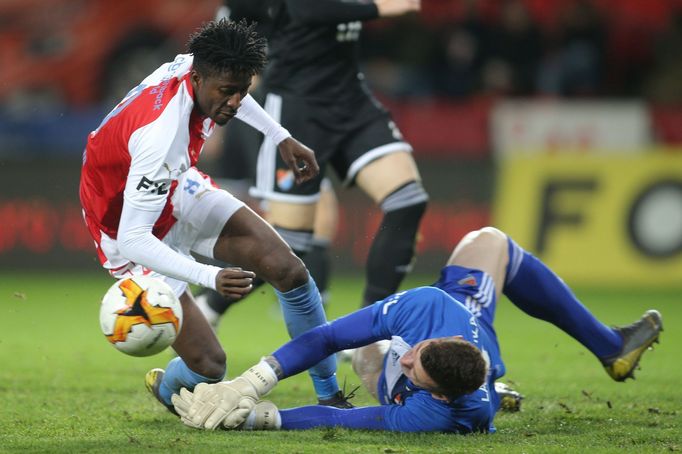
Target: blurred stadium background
559	122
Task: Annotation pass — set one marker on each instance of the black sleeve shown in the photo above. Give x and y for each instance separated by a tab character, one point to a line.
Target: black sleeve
331	11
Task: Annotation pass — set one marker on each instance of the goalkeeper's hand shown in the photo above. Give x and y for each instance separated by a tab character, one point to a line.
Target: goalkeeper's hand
213	405
182	402
225	404
264	416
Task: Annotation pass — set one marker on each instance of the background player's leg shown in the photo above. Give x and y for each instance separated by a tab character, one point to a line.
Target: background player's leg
214	305
318	260
250	242
393	182
309	229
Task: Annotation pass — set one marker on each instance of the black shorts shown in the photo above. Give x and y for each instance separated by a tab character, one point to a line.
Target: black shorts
346	138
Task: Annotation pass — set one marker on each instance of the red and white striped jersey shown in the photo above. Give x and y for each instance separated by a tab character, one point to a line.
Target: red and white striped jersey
141	148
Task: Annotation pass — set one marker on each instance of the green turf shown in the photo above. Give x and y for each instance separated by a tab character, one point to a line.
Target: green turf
64	389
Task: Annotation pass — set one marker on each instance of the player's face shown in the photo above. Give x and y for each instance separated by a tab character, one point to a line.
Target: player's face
219	96
413	369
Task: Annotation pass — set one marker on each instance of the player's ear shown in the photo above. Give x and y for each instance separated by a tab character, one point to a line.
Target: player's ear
195	77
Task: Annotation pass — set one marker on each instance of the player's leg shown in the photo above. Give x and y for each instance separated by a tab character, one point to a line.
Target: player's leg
533	287
318	260
201	211
200	358
484	250
393	182
294	221
376	158
290	208
250	242
308	229
539	292
368	364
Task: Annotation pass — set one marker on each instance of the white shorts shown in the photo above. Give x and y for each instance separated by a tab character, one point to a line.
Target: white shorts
201	210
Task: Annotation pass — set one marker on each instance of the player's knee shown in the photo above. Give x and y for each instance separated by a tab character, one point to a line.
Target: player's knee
294	274
488	237
369	359
286	271
409	200
495	238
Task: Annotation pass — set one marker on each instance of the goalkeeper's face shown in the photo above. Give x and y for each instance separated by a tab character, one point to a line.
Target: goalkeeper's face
447	367
413	369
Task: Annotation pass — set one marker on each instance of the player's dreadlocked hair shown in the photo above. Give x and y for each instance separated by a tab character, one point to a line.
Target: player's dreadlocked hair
228	46
455	365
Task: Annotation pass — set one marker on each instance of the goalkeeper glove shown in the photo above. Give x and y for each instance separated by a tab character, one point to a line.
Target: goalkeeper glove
225	404
264	416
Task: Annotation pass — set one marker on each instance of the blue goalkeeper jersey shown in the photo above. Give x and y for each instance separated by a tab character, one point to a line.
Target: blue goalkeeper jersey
425	313
407	318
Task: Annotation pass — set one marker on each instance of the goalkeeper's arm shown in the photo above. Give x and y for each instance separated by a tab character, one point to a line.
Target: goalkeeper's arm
227	402
356	329
303	352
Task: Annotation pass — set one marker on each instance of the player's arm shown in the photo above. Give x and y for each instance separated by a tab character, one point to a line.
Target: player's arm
420	413
212	406
351	331
144	199
137	244
336	11
299	158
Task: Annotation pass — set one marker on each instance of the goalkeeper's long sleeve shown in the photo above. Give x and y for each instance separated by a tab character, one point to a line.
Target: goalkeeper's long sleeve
419	413
306	350
301	418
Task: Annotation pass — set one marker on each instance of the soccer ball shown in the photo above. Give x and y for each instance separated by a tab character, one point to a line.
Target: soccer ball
140	316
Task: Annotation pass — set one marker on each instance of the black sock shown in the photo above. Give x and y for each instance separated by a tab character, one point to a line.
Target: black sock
318	263
392	251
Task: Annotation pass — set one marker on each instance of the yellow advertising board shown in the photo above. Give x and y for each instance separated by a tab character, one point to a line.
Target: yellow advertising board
597	219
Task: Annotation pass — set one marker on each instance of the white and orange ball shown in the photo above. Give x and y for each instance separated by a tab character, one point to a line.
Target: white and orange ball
140	316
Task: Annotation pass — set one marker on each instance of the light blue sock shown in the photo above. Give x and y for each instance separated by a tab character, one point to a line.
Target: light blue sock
302	309
178	375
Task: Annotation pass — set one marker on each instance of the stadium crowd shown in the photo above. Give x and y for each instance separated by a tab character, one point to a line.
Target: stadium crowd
519	48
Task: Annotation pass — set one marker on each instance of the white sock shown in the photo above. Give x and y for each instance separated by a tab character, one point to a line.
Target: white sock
212	316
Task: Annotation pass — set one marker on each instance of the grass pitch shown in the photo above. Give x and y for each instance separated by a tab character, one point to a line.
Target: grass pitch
63	388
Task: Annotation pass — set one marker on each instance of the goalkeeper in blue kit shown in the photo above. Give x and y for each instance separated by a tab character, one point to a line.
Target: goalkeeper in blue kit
429	355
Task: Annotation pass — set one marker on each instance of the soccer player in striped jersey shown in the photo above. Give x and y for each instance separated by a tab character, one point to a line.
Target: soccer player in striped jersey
147	207
439	369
